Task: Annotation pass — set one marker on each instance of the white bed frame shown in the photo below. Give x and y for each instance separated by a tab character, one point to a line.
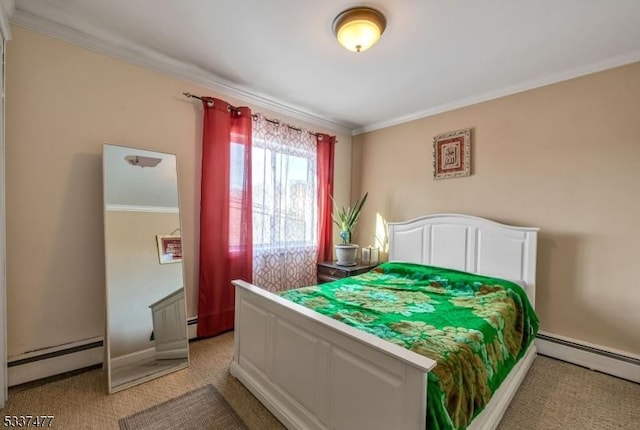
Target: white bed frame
313	372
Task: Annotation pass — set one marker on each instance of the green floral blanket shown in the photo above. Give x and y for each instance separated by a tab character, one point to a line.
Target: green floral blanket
475	327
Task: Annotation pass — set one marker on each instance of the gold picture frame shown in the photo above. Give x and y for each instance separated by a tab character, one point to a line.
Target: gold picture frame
452	154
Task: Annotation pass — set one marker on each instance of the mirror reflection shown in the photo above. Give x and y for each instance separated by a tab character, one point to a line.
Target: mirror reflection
146	310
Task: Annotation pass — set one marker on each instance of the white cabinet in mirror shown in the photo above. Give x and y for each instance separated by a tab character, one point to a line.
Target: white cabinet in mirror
146	311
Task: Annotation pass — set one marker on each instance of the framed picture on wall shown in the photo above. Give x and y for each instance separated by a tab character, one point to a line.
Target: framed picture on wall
452	154
169	249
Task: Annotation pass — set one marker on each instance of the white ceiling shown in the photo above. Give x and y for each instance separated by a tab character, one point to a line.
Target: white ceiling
134	186
435	55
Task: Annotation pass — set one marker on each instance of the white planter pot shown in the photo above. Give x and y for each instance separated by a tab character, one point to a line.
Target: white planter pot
346	254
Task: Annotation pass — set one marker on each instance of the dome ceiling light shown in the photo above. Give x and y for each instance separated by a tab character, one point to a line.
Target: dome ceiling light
359	28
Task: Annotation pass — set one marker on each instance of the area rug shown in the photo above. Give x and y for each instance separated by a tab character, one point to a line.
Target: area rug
203	408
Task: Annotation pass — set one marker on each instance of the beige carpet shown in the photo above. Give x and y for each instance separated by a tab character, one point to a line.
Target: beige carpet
81	402
554	396
559	395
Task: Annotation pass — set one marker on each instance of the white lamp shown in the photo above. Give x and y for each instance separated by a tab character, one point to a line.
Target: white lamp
359	28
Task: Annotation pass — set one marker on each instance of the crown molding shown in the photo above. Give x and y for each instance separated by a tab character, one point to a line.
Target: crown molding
153	60
7	9
505	91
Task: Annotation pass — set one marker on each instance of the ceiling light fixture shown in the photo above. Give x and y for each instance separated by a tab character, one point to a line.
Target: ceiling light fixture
359	28
136	160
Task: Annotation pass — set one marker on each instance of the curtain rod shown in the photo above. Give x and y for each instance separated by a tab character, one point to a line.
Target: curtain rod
274	121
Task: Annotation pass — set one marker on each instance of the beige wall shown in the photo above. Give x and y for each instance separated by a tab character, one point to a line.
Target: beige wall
565	158
62	103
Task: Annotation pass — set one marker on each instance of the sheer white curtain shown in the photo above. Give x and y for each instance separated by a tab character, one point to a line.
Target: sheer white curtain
285	209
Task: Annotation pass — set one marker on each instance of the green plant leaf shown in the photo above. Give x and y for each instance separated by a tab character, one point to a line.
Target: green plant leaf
347	218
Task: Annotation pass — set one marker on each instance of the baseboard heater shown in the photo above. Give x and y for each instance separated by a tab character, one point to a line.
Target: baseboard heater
616	363
46	362
89	353
56	360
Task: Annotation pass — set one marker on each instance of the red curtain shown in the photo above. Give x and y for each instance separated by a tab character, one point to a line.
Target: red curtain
326	150
225	213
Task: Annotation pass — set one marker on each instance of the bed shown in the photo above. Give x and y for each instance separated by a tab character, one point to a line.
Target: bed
314	372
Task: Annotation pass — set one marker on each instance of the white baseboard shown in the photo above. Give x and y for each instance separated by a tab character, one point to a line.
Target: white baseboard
54	361
134	357
65	358
192	327
44	363
596	357
172	354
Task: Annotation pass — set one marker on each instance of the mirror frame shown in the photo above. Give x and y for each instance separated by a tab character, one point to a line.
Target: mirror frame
108	336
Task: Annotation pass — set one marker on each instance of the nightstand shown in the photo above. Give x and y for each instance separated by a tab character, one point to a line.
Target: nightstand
330	271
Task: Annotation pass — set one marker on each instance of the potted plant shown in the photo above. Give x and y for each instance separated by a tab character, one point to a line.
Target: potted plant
346	219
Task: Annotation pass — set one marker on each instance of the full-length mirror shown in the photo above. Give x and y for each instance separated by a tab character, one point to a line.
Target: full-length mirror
146	313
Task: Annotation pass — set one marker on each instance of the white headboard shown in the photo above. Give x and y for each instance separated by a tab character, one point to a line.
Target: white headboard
468	243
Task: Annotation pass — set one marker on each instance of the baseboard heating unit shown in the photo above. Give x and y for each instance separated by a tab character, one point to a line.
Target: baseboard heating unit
616	363
68	357
54	361
90	352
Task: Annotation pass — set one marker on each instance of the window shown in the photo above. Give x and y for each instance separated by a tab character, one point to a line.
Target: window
285	206
236	194
284	195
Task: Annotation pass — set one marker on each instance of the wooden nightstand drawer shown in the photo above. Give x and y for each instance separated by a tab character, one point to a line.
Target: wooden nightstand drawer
329	271
332	272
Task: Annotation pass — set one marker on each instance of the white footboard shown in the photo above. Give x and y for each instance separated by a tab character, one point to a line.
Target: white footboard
313	372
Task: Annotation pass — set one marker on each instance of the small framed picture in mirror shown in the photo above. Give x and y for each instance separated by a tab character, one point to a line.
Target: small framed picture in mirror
169	249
